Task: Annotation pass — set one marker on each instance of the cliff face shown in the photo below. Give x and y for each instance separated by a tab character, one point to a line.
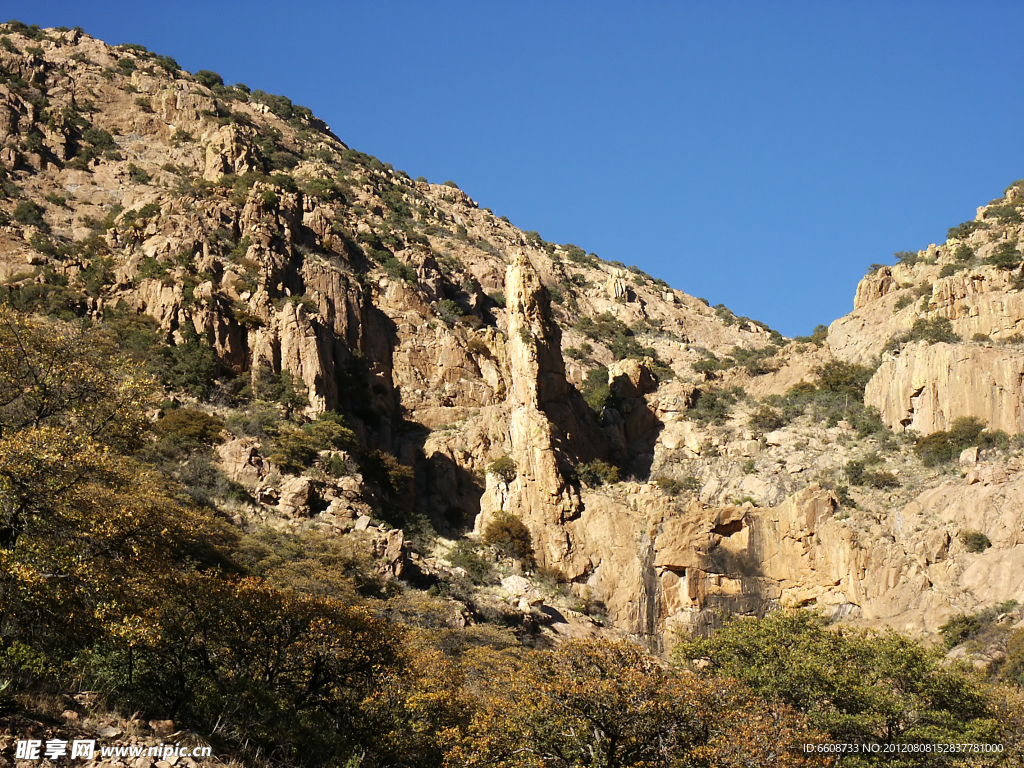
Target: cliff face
447	338
972	284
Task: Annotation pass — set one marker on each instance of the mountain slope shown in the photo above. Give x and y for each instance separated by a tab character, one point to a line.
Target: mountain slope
654	447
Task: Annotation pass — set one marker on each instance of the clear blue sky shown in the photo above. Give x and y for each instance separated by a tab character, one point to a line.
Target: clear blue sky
760	154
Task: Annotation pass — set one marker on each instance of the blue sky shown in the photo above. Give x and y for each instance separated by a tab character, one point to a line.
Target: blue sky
758	154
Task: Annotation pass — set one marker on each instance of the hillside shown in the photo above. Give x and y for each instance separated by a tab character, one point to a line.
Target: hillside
422	441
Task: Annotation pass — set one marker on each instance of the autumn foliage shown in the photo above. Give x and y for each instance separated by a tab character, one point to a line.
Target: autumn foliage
290	650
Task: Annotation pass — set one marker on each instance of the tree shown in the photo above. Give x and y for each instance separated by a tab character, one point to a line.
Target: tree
853	686
611	705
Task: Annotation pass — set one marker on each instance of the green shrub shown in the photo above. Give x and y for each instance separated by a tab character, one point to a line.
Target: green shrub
903	301
949	269
669	485
944	446
503	468
934	330
961	231
767	419
597	473
189	427
449	311
190	366
908	258
596	390
207	78
1007	213
402	271
960	629
842	378
1005	256
509	536
464	555
963	253
881	480
138	175
30	214
975	541
711	405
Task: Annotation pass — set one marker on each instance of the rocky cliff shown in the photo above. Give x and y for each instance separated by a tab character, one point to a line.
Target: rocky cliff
322	280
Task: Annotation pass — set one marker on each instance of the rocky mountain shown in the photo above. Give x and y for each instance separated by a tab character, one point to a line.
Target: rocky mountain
670	460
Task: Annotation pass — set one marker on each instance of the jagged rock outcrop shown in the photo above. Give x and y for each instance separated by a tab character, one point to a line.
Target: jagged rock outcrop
540	493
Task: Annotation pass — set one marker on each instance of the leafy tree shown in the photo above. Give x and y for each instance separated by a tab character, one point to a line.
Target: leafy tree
853	686
208	78
510	536
504	468
28	213
844	378
966	431
610	704
596	390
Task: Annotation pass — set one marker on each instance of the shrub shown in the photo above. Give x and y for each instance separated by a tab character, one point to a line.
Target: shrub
394	480
449	311
1005	256
949	269
903	301
844	378
296	449
402	271
711	405
767	419
596	390
597	472
138	175
908	258
944	446
935	330
189	427
819	335
960	629
464	555
669	485
30	214
509	536
963	253
451	184
881	480
190	366
207	78
975	541
961	231
503	468
279	387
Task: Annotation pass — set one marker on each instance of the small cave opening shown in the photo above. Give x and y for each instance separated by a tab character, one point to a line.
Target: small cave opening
728	529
